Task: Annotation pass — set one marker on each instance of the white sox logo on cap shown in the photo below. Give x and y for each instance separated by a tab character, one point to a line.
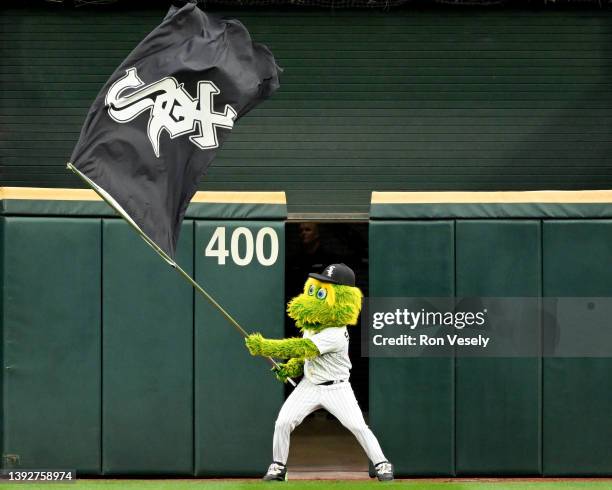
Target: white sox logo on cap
340	274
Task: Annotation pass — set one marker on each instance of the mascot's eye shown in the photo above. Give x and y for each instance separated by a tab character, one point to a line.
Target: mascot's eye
311	289
322	293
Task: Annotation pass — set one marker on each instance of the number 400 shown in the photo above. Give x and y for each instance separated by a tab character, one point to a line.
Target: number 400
217	246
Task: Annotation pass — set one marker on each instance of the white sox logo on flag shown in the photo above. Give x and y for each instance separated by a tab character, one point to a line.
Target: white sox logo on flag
172	109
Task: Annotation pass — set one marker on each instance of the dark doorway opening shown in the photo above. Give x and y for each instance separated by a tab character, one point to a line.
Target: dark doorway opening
320	442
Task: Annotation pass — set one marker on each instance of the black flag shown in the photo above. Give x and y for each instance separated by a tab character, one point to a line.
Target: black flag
156	125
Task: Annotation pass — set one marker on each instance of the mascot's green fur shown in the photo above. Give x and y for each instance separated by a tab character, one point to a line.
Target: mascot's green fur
322	305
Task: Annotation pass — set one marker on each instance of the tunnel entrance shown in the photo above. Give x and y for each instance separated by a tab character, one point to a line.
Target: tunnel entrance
321	443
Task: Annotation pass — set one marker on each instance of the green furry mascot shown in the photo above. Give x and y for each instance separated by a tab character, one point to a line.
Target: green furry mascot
330	301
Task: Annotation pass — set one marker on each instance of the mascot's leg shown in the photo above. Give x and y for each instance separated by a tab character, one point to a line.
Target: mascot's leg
303	401
340	401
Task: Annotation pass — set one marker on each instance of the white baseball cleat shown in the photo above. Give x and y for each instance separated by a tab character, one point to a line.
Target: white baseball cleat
276	472
384	471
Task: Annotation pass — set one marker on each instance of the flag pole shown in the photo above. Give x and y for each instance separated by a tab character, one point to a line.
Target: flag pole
117	207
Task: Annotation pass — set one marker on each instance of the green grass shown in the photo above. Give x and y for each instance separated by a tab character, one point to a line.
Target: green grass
311	485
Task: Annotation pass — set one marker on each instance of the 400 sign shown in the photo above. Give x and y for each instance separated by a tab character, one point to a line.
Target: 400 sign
243	246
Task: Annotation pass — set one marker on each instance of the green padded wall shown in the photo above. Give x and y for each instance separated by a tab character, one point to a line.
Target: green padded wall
51	343
409	98
236	396
147	410
412	400
2	322
577	395
498	400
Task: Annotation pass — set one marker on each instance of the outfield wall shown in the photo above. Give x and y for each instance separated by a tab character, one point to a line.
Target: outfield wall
113	366
493	416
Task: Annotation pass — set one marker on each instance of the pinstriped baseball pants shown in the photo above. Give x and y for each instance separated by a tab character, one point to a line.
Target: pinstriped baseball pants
339	400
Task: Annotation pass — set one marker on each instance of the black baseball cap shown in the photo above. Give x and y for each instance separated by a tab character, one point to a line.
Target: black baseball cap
340	274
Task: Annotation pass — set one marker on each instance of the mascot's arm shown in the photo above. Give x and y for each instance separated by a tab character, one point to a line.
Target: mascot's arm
283	349
291	369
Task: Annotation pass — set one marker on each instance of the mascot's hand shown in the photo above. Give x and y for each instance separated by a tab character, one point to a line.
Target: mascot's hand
280	372
254	343
290	369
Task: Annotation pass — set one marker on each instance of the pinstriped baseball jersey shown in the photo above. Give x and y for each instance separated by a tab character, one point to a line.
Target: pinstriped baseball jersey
333	363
